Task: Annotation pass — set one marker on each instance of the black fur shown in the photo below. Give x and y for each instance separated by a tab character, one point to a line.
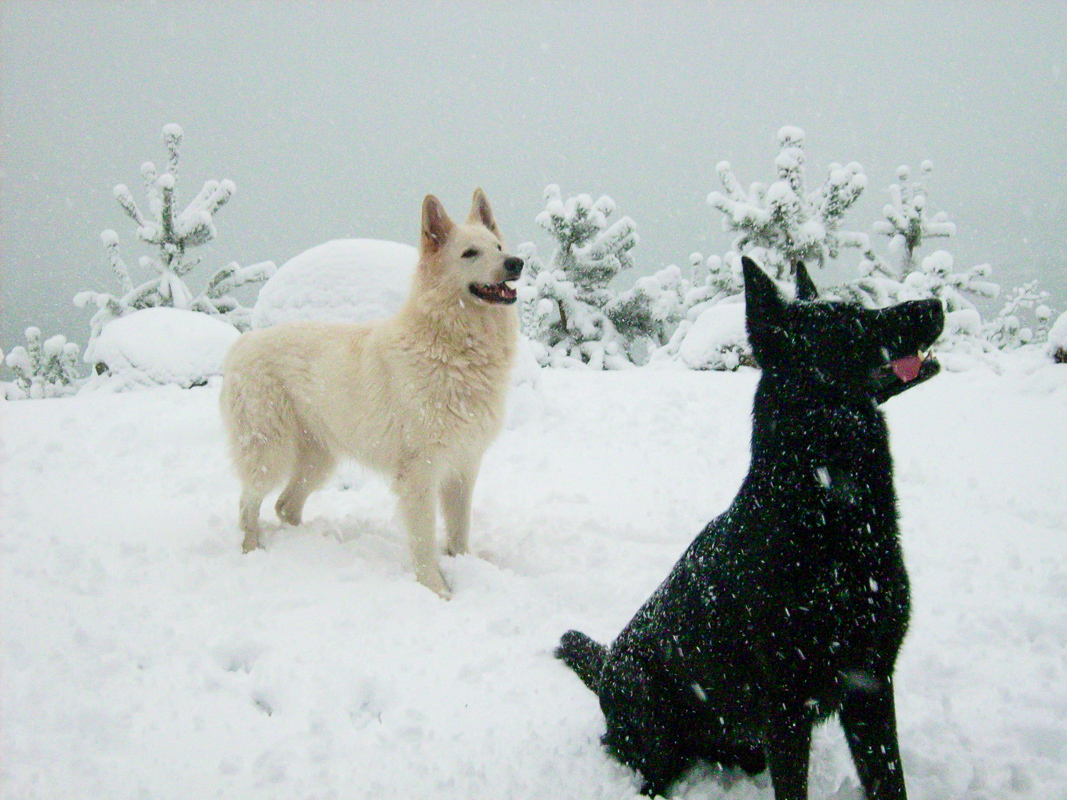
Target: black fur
792	605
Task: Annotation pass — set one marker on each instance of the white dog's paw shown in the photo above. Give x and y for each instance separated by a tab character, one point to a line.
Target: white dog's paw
434	580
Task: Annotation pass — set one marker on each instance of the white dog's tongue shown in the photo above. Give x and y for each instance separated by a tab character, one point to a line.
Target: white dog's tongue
907	368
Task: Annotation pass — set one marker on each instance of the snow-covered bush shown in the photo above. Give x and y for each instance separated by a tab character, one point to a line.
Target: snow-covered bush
660	309
564	302
649	312
172	234
160	346
43	368
715	339
1057	339
709	336
778	225
344	280
784	223
1009	329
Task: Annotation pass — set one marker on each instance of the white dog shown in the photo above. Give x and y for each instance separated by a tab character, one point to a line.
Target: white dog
419	396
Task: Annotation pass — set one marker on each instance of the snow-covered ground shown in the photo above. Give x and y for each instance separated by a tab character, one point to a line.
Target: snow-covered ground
144	657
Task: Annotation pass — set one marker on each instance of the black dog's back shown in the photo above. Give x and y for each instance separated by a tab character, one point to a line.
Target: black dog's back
791	605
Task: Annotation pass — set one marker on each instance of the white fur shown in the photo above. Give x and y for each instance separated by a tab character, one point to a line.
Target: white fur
418	397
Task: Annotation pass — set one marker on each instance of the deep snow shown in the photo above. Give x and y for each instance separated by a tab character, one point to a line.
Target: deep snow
143	656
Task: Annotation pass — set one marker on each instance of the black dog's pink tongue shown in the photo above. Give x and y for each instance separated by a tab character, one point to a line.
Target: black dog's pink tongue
907	368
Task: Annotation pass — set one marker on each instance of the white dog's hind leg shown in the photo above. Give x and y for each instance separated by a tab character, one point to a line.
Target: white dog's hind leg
314	464
415	490
251	500
456	492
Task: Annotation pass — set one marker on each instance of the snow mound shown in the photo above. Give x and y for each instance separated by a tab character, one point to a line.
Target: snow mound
161	346
1057	339
717	338
344	280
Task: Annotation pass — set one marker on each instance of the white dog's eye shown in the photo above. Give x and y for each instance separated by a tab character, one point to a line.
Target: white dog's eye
471	253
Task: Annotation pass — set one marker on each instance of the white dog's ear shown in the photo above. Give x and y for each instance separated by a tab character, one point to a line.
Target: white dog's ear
482	213
436	225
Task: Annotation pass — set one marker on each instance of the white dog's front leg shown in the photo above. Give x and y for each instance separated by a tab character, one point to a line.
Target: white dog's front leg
456	492
416	489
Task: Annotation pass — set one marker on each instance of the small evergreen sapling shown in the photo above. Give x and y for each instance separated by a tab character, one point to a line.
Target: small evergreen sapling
907	220
43	368
173	234
564	302
908	225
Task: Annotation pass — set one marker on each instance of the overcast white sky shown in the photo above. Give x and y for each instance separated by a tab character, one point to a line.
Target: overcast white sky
334	119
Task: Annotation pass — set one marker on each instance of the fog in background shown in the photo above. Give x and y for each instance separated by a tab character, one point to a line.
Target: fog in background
334	119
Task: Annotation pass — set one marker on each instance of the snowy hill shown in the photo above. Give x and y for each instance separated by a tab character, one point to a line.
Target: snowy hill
143	656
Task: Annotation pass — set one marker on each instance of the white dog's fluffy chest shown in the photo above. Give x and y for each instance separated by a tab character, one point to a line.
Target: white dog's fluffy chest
405	396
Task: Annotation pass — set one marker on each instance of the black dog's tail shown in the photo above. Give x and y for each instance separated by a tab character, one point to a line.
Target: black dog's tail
584	656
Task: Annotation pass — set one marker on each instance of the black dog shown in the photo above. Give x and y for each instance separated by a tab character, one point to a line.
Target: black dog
792	605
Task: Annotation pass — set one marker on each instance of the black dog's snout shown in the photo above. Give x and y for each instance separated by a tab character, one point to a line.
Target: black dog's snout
513	266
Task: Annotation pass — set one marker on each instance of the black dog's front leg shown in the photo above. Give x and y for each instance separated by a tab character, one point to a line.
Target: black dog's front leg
788	750
869	720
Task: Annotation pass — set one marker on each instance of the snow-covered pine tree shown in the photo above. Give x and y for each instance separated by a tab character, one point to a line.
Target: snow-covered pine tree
44	367
785	222
564	301
907	220
1009	329
173	234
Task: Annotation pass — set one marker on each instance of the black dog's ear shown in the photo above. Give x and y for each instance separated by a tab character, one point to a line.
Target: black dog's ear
764	313
806	288
763	301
